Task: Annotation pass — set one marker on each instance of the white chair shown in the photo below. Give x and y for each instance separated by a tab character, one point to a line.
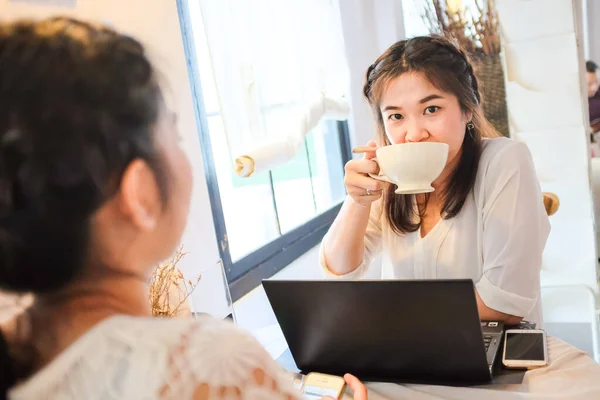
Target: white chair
569	305
569	313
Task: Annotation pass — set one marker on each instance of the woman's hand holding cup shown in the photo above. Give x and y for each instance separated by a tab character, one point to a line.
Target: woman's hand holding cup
363	189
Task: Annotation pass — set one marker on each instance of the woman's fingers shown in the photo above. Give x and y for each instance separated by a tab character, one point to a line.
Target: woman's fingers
362	192
362	166
370	154
359	389
360	196
364	182
363	189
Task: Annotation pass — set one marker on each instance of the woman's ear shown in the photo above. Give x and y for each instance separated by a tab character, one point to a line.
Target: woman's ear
468	116
139	196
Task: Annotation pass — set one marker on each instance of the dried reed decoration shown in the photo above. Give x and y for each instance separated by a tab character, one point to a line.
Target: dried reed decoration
169	291
476	32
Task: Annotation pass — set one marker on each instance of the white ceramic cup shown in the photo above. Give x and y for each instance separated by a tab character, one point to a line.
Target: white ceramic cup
412	167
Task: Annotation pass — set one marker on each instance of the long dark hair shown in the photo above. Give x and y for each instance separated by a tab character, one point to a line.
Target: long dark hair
449	70
78	103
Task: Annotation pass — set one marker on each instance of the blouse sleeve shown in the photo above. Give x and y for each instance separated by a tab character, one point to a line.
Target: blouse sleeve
372	243
515	229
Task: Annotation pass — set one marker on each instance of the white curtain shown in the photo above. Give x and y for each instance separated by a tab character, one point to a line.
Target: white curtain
279	68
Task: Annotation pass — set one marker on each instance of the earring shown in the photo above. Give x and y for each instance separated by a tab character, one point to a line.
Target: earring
470	128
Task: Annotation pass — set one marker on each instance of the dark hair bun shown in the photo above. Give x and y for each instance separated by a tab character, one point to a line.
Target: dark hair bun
78	103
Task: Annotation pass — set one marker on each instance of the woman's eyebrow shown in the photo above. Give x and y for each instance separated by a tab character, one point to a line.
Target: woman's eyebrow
429	98
422	101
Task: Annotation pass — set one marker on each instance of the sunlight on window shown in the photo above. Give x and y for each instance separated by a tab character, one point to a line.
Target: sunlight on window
414	11
413	17
259	209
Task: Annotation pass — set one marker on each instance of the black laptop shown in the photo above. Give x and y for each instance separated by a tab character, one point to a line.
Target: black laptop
425	331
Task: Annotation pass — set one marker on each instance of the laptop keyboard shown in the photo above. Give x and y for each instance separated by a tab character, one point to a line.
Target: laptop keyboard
487	339
492	337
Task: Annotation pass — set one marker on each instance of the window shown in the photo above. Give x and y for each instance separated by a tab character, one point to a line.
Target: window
414	11
265	221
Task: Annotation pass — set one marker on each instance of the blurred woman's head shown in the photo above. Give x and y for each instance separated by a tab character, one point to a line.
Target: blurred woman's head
424	89
591	77
92	178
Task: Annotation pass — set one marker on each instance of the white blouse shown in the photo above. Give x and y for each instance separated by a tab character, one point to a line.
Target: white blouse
496	240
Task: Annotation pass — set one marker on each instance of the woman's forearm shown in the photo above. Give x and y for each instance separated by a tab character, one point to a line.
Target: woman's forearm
488	314
344	244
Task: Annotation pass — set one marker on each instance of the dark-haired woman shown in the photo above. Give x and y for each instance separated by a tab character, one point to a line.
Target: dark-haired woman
484	221
94	192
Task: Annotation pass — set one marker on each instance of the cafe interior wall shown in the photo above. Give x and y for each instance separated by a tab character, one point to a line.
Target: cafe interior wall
592	23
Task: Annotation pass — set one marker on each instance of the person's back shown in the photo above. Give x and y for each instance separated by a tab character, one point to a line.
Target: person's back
142	358
94	192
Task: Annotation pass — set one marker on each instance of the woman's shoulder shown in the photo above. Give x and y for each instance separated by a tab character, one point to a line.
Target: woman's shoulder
502	160
503	154
162	332
500	146
170	355
205	336
165	328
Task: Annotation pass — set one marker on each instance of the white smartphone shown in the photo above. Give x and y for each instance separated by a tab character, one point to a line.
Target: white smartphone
318	385
525	349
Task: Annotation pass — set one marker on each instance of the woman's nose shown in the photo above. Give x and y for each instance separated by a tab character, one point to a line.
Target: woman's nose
416	133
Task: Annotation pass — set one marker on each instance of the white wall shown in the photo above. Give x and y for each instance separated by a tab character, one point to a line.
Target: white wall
369	28
156	24
593	28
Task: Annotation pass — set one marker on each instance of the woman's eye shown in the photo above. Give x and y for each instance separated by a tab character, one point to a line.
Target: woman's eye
431	109
395	117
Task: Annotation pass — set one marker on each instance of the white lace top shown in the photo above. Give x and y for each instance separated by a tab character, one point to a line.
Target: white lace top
142	358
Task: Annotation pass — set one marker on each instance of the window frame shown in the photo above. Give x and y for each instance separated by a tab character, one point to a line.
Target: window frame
247	273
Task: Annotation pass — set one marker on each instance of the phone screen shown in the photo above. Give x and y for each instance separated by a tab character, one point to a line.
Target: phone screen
317	392
525	346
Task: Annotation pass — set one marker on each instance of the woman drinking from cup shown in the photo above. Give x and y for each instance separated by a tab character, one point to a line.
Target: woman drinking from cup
482	218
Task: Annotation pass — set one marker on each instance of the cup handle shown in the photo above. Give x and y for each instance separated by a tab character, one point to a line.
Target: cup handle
382	178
